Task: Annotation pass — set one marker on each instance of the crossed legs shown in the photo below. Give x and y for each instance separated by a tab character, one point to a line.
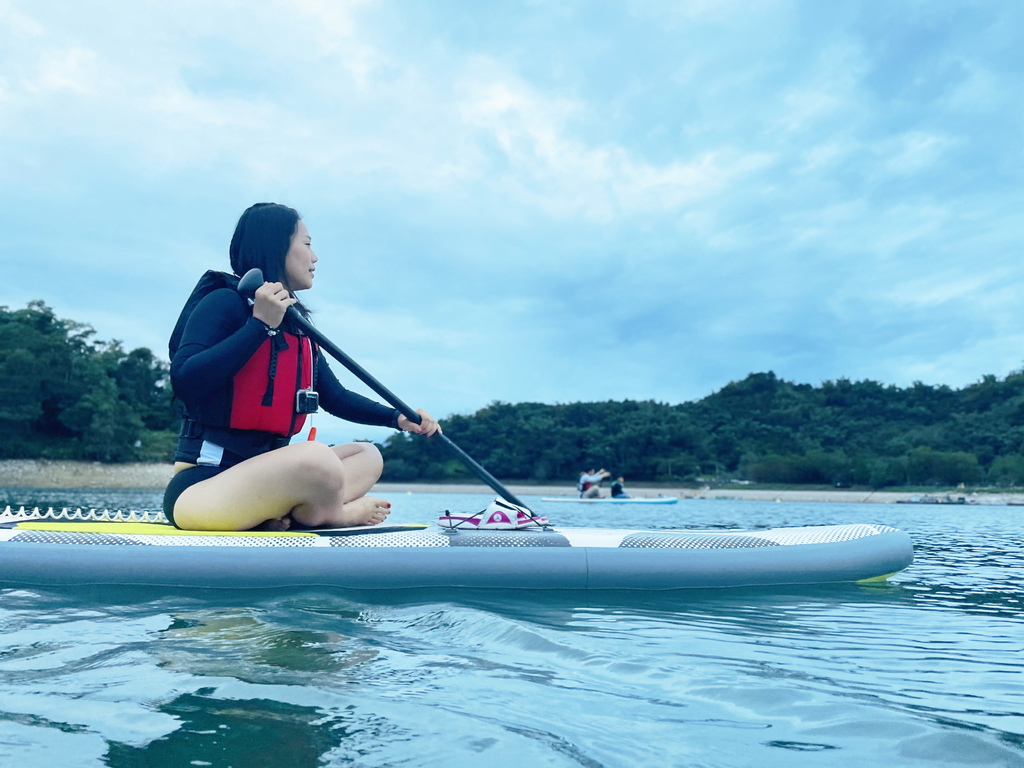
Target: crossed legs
319	485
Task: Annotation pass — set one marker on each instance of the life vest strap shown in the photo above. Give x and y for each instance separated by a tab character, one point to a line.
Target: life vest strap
278	342
244	442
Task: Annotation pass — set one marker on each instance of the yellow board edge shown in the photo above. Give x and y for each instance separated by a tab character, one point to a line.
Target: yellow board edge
166	529
145	529
877	578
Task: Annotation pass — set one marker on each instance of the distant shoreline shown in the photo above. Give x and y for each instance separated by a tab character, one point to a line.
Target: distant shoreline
33	473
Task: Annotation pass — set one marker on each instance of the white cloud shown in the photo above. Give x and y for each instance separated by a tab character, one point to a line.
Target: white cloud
20	25
913	152
552	167
824	157
831	91
436	140
944	289
981	90
73	69
335	28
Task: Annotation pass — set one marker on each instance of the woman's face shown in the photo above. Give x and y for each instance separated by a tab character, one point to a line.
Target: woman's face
299	261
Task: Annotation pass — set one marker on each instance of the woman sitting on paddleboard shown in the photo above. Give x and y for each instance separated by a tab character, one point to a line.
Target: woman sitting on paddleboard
247	377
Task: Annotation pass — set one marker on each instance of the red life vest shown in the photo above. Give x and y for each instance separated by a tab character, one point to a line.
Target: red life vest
262	395
265	404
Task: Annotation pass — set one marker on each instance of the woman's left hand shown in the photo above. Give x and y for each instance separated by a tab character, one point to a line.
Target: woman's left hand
427	426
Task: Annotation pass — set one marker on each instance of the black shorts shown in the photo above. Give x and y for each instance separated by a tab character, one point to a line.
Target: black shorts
185	479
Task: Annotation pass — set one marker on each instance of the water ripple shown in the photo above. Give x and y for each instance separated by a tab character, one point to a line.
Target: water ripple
924	670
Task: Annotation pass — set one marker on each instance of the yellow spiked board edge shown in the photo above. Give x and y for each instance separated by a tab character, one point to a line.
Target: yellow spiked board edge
166	529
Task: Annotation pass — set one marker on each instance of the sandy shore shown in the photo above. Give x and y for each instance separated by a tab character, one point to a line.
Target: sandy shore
30	473
73	474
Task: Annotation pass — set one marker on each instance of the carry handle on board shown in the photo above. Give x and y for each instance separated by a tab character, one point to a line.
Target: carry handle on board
253	279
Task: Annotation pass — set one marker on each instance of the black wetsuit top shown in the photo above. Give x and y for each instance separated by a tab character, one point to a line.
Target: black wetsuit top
220	337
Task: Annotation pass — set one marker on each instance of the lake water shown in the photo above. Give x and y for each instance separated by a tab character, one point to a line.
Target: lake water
925	670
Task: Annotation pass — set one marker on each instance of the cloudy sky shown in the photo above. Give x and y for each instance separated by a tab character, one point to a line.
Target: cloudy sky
551	201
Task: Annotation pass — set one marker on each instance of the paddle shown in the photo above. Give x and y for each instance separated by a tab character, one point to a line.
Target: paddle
253	279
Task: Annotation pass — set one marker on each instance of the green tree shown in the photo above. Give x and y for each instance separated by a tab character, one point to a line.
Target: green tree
926	466
64	395
108	430
1008	470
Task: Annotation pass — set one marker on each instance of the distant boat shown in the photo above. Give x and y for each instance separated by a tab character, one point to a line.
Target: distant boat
618	500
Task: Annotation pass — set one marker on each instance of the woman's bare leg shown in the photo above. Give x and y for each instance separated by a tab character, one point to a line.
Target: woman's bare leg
363	464
361	467
309	480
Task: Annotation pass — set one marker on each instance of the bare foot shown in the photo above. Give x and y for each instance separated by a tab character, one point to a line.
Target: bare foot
275	524
364	511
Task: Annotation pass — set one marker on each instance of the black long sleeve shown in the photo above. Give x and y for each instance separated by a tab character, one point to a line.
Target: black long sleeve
348	405
220	337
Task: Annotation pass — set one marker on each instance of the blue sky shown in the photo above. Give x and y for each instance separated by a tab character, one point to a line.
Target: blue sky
538	201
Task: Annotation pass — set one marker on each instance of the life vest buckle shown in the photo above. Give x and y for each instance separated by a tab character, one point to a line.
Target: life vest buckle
190	429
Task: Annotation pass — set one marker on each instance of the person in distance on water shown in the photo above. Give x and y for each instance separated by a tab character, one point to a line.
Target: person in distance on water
589	484
618	491
247	377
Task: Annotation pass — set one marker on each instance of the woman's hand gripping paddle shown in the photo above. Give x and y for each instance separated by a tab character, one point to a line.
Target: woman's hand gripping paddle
253	279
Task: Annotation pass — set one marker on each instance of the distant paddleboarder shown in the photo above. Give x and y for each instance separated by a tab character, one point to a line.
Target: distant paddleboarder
589	484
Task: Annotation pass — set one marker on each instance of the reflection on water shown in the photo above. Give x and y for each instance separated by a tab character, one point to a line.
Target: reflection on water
922	670
236	641
213	731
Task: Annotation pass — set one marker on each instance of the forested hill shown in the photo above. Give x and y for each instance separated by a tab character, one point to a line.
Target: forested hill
65	395
762	429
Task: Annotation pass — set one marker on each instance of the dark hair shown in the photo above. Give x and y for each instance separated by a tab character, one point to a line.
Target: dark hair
262	238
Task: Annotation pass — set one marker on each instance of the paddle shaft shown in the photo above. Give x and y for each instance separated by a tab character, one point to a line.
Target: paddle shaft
363	375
